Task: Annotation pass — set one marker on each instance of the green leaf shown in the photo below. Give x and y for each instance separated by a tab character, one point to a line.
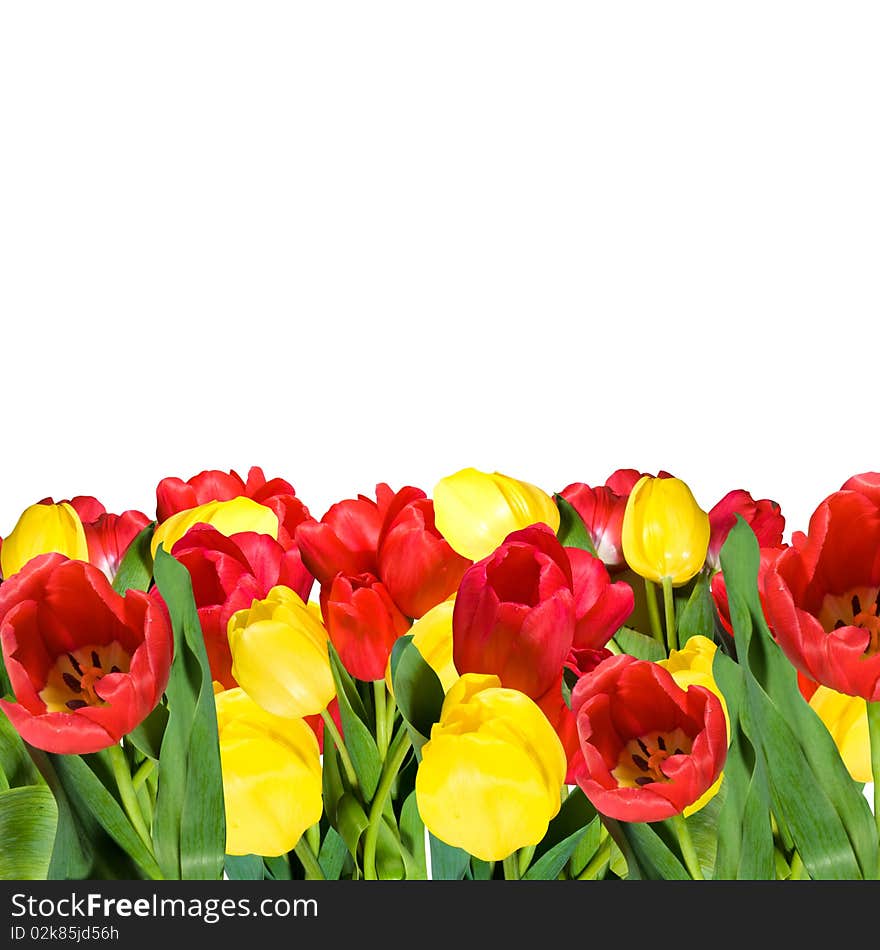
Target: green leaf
698	616
28	819
548	866
277	868
572	532
16	764
390	862
448	863
417	691
412	835
189	827
812	793
639	645
332	854
359	741
136	568
244	867
147	737
647	855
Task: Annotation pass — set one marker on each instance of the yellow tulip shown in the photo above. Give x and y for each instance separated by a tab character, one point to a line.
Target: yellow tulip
432	635
271	771
692	666
846	718
490	776
665	532
279	655
42	529
227	517
475	511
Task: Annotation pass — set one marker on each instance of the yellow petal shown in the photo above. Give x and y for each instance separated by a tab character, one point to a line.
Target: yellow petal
692	666
846	718
280	657
227	517
665	533
271	777
42	529
475	511
432	635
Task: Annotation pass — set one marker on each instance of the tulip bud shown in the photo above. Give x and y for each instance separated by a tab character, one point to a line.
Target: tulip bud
228	517
279	655
665	533
475	511
846	718
43	529
271	771
432	636
490	776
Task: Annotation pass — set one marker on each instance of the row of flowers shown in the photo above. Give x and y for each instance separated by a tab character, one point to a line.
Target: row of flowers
604	682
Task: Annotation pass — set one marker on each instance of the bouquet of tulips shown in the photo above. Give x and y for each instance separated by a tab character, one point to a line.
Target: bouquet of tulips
495	682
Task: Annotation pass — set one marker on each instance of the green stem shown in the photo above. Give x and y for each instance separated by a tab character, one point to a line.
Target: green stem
688	851
313	836
525	858
127	793
798	871
669	607
511	867
143	771
397	752
390	714
307	856
379	695
653	610
344	757
600	858
612	647
874	733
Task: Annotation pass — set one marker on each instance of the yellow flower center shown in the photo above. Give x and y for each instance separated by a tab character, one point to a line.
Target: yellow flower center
72	681
641	759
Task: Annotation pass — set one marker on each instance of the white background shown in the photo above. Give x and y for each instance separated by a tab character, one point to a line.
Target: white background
354	242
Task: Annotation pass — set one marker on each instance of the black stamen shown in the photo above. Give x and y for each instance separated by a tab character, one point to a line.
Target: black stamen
96	660
838	624
72	682
643	780
877	601
74	664
856	606
643	747
678	752
115	669
75	703
640	762
661	743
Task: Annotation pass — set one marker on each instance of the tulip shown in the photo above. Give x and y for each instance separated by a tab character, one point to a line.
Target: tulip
363	622
821	596
514	612
228	574
601	608
432	636
235	516
43	529
279	655
173	495
651	748
416	563
764	517
846	718
491	773
475	511
271	776
665	533
86	664
718	587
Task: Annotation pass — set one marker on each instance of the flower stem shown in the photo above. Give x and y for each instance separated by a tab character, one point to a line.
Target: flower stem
511	867
309	861
669	607
127	793
381	717
599	859
525	858
874	733
344	757
688	851
143	771
397	752
653	610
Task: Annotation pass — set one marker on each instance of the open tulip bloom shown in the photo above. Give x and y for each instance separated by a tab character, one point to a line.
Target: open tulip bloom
489	680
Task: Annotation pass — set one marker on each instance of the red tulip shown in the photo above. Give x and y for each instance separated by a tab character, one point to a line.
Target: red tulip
363	623
764	517
514	613
651	748
174	495
228	573
86	664
346	539
600	606
867	484
822	595
416	563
